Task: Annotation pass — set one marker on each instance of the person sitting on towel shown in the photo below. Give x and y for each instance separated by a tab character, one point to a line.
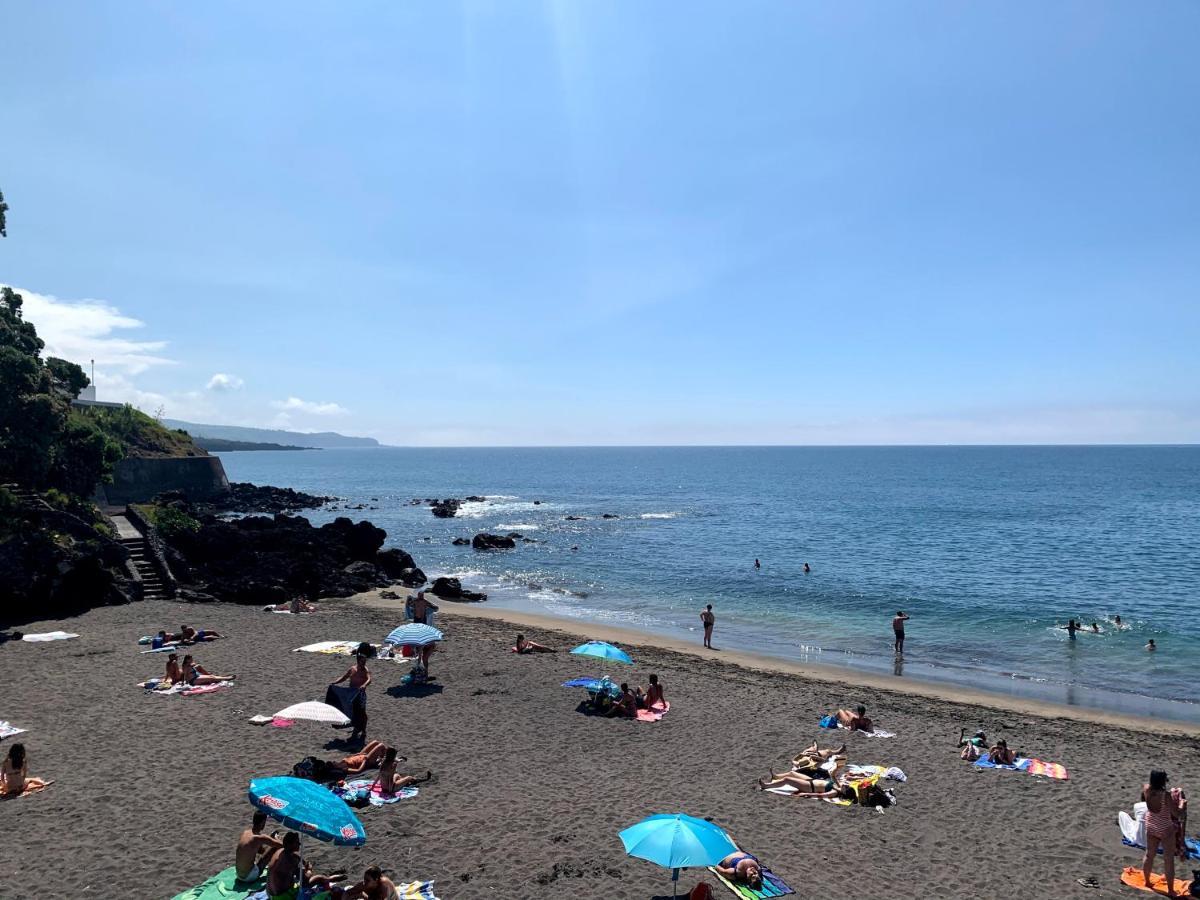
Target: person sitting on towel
653	695
284	871
14	774
856	720
190	635
254	849
741	868
374	886
174	673
625	706
389	782
1001	755
524	646
196	675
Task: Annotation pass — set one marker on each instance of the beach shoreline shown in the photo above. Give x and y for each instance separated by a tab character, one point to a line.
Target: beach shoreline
945	691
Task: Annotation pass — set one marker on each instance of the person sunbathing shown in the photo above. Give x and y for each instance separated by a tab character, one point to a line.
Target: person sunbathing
174	673
864	792
856	720
389	782
1001	755
374	886
971	748
804	784
812	757
368	758
14	774
197	676
254	849
190	635
741	868
524	646
625	706
653	695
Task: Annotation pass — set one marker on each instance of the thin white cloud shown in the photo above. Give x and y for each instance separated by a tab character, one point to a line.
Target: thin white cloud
309	407
222	382
89	329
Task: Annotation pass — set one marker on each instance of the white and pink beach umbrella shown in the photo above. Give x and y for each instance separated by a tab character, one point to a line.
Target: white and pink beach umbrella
312	711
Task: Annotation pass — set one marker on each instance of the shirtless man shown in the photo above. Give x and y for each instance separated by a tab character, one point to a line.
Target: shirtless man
254	849
389	782
625	706
856	720
421	608
189	635
284	870
174	673
898	629
708	619
374	886
359	677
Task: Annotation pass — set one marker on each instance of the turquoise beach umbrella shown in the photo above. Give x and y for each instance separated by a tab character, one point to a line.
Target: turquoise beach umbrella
676	841
308	808
601	650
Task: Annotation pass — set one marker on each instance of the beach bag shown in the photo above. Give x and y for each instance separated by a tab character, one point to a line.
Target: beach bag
306	768
829	722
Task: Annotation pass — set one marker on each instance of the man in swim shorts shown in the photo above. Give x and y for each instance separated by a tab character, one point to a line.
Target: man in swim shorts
254	849
898	629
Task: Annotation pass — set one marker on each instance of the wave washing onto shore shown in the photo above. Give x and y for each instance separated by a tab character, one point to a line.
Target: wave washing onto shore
987	548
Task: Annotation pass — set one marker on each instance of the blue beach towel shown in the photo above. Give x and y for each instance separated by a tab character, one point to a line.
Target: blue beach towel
829	722
984	763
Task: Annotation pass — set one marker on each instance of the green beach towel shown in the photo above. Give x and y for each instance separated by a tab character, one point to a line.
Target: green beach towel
772	885
223	885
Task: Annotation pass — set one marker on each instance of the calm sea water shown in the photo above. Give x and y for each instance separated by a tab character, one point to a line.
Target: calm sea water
987	548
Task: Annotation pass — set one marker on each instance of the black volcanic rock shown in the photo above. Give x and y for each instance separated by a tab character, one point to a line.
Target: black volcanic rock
412	578
445	509
461	542
492	542
393	561
451	589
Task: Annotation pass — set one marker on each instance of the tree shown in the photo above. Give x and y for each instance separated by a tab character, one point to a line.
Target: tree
67	377
3	217
82	457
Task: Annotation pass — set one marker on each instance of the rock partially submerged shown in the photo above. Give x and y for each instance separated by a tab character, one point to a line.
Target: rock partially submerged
445	509
451	589
493	542
243	497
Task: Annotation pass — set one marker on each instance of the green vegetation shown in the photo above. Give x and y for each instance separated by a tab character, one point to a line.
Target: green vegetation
169	521
47	443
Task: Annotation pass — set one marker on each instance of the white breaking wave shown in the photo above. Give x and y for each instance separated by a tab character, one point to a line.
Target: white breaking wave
521	526
669	515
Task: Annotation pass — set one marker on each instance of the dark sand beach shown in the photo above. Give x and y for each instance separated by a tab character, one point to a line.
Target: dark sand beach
150	791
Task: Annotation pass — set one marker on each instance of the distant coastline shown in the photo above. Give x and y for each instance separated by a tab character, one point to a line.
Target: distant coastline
222	445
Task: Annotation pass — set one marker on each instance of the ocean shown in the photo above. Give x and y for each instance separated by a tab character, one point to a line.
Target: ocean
988	549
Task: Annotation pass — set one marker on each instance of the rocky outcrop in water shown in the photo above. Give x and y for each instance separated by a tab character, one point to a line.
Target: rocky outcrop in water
493	542
451	589
244	497
445	509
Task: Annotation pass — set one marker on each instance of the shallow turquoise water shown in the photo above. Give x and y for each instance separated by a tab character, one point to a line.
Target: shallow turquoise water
987	548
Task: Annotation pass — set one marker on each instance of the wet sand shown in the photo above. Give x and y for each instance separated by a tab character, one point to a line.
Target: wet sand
149	792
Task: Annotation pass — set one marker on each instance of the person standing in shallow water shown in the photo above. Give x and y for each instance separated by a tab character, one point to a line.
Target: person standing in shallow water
898	629
708	619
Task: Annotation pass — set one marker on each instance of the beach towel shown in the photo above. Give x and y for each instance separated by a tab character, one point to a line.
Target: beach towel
772	885
345	699
350	790
787	790
1133	832
832	722
1028	765
29	789
1133	877
223	885
336	648
891	773
165	648
49	636
8	729
655	713
204	688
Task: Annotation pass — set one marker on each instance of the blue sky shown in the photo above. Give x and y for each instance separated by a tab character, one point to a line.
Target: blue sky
620	222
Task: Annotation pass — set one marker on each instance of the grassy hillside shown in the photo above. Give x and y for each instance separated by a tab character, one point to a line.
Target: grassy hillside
138	434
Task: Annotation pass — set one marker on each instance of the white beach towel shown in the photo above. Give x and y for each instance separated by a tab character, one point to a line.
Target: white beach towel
338	648
49	636
7	729
878	732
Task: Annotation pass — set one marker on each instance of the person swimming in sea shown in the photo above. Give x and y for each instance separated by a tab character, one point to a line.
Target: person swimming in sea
1150	645
757	564
807	568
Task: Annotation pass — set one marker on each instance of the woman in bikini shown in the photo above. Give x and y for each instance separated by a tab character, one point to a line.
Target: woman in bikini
1001	755
368	758
197	676
524	646
1166	815
14	774
741	868
856	720
174	673
389	782
812	757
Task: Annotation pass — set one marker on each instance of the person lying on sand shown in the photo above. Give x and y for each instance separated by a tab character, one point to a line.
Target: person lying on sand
653	695
972	747
625	706
368	758
190	635
524	646
861	791
741	868
296	605
254	849
813	757
14	774
1001	755
197	676
856	720
389	782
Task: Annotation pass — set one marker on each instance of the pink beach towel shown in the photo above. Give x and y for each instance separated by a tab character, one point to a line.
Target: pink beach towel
654	713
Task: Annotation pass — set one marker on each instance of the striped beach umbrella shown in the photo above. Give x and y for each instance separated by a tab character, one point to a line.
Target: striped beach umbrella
413	634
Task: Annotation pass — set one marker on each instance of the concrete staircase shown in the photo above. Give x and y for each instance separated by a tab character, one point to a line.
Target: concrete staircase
139	554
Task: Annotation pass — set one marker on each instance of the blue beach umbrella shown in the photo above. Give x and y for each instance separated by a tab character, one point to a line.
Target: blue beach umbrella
676	841
601	650
308	808
414	634
595	685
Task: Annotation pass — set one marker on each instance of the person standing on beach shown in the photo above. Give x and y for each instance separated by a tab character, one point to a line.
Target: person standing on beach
709	620
421	608
898	628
